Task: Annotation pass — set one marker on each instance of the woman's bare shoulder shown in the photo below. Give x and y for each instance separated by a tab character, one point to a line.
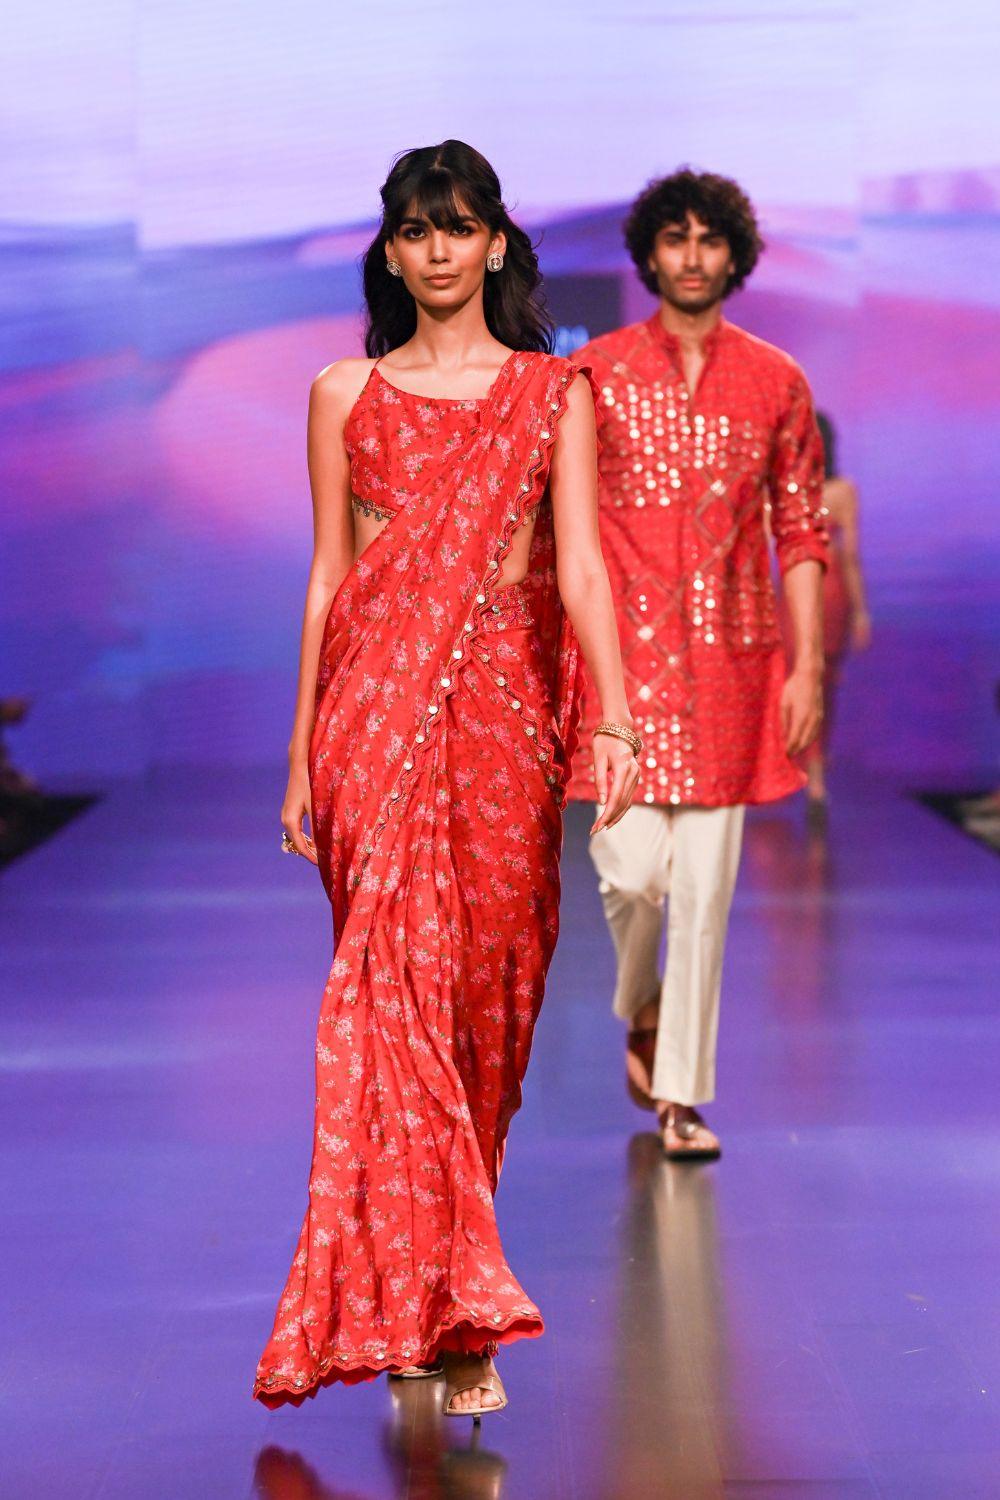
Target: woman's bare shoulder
339	385
580	388
580	402
840	496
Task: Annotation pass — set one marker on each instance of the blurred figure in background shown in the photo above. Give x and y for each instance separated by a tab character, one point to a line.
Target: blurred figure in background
19	795
13	783
847	624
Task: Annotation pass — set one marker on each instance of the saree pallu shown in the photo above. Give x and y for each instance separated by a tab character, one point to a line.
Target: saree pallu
439	760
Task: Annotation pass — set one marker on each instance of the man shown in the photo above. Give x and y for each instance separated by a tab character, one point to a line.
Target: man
705	432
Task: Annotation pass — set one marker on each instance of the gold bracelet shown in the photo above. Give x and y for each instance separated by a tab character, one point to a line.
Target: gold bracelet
621	732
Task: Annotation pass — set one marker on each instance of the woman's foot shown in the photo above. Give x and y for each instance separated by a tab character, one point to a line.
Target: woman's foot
685	1135
472	1386
817	814
417	1372
816	780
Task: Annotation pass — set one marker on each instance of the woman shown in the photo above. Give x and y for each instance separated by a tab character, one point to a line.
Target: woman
847	624
454	487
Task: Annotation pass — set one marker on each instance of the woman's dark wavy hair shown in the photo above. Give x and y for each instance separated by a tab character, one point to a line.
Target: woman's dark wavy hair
828	433
444	184
716	201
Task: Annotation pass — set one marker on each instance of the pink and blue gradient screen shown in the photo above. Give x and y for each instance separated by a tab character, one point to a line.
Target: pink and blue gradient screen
181	214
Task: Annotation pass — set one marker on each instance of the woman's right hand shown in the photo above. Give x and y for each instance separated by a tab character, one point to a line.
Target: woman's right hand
296	810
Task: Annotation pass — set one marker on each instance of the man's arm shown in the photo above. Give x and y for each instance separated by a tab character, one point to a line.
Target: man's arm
802	695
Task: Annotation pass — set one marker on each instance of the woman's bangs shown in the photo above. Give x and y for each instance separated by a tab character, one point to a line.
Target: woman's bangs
436	198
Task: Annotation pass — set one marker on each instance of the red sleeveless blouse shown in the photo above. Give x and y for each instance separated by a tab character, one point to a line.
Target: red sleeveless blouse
394	438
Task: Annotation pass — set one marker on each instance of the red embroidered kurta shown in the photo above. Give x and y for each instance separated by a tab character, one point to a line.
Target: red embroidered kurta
684	484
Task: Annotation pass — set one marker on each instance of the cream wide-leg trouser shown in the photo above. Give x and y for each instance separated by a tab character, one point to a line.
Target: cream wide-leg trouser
691	855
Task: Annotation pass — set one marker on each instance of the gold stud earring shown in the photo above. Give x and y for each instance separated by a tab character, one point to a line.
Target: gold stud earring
394	268
494	262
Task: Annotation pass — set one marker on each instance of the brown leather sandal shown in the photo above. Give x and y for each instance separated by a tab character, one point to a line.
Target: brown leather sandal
685	1135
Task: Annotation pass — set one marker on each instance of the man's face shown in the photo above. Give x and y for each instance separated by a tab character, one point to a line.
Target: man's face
692	265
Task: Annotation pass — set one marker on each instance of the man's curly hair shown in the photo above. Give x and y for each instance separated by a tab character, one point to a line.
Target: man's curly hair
716	201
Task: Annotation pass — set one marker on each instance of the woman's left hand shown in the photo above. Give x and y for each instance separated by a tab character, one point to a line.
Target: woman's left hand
616	775
861	630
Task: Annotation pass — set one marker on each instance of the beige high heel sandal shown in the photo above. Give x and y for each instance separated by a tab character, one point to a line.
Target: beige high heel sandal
467	1372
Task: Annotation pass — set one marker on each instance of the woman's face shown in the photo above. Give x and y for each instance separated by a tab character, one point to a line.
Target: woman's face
443	268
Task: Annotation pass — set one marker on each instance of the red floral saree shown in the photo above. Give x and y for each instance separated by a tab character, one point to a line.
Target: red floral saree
438	767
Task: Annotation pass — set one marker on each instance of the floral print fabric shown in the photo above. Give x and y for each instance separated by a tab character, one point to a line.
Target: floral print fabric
438	767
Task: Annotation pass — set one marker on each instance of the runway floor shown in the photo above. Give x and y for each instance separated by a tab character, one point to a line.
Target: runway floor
817	1315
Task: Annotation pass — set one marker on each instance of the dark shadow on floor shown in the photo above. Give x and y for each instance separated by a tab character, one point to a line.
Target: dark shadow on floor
975	813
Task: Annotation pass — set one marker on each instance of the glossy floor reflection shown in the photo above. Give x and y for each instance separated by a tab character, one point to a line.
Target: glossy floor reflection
814	1316
422	1457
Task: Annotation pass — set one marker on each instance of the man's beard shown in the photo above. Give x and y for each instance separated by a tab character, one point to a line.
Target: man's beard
694	303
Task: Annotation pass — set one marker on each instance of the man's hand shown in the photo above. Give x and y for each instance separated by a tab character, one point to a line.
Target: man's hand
802	708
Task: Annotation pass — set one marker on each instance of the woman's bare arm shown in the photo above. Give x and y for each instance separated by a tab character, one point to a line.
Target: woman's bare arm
586	593
332	395
854	579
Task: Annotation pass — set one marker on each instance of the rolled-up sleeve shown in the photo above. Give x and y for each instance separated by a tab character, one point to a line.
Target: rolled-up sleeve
798	516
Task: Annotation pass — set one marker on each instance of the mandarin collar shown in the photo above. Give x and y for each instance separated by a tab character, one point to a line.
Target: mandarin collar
672	343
